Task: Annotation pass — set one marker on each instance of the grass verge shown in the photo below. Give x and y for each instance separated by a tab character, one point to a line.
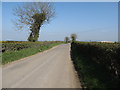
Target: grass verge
10	56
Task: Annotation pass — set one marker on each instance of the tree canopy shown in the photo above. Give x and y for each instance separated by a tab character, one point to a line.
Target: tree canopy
73	37
66	39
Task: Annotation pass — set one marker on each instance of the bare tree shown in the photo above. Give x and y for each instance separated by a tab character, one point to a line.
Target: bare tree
33	15
73	37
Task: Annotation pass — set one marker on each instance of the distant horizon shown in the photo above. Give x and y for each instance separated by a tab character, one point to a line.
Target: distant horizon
63	40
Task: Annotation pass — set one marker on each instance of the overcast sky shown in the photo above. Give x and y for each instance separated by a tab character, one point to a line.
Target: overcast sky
90	21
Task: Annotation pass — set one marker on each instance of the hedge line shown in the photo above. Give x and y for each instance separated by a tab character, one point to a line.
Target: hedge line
17	50
18	45
105	55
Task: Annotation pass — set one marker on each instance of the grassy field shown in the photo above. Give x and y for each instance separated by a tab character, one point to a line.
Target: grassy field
97	64
16	50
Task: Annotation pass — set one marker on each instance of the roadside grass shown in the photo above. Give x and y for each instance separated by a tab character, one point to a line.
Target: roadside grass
10	56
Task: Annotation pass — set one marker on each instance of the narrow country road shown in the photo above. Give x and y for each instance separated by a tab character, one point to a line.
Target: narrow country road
50	69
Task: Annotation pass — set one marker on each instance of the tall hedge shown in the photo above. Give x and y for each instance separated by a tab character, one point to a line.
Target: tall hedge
105	54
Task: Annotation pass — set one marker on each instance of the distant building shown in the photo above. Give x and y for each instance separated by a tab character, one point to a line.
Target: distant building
107	41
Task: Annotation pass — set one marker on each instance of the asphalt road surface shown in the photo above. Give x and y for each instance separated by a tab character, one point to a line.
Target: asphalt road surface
49	69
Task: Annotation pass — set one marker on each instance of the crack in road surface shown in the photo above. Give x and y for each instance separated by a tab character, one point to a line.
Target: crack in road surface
50	69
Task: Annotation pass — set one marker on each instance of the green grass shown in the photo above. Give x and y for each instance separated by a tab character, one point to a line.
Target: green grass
16	55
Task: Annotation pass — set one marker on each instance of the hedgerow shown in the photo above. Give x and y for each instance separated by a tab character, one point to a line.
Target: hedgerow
97	63
15	50
18	45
